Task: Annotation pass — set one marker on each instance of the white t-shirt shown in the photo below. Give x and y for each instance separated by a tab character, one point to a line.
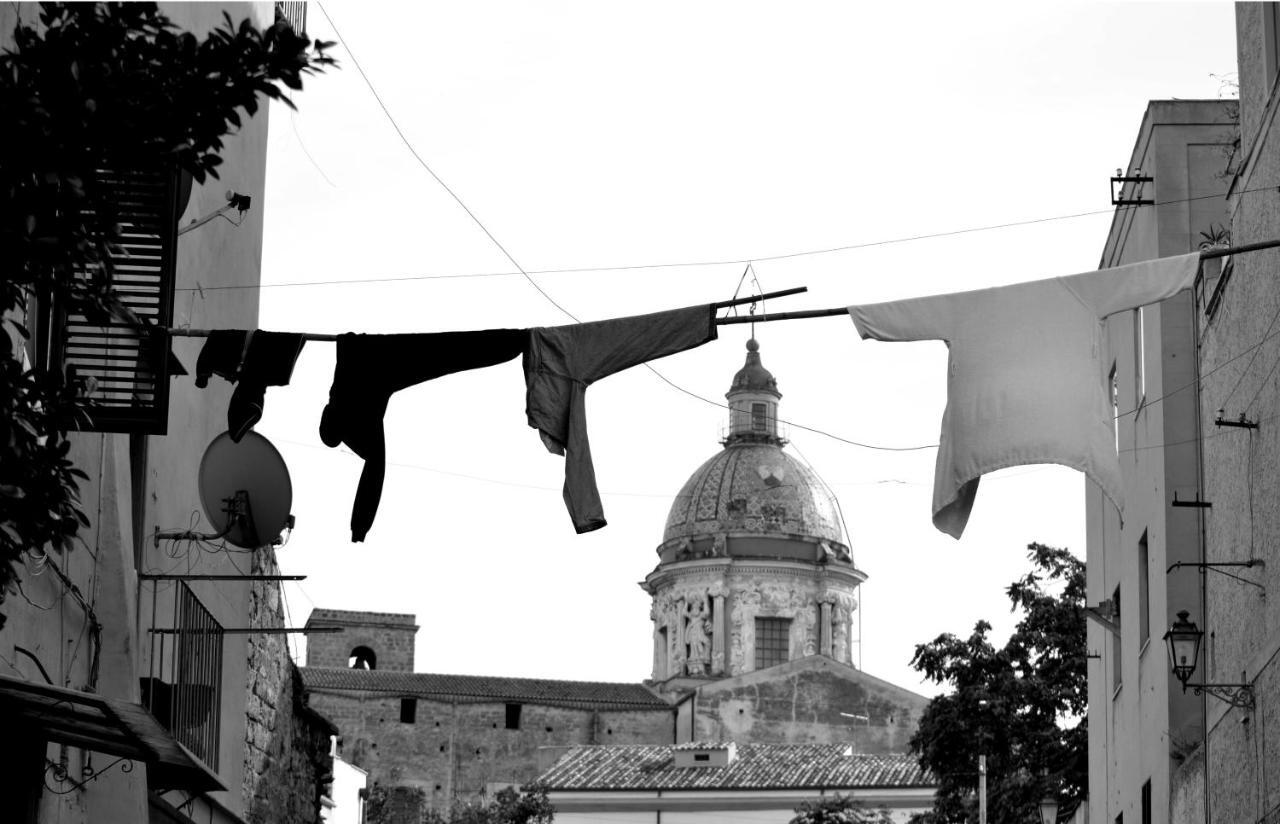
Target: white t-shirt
1026	383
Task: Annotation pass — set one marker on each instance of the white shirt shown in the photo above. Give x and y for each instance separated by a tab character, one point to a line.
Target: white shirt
1026	383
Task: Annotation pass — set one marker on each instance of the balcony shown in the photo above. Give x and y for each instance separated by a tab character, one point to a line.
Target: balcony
184	688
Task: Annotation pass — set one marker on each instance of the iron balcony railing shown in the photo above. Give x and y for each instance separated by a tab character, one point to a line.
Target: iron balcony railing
184	690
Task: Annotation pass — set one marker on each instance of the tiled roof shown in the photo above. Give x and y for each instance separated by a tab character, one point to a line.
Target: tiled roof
757	766
486	688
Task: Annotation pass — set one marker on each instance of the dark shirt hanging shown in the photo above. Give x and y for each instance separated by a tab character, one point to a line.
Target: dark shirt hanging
562	361
371	368
253	361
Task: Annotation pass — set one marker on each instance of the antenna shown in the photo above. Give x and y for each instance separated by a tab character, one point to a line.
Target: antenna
245	491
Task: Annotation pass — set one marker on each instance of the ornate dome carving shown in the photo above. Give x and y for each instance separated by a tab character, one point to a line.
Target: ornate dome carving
754	488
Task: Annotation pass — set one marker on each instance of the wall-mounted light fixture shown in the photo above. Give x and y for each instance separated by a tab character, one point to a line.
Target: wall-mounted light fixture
1049	809
1184	639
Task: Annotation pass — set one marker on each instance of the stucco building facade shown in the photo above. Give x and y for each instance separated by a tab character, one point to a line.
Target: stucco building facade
88	702
753	601
1235	775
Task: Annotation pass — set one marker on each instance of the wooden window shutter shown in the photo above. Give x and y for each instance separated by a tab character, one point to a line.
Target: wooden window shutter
124	368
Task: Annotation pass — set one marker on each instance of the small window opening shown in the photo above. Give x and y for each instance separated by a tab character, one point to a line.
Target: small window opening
759	416
362	658
408	710
513	716
701	756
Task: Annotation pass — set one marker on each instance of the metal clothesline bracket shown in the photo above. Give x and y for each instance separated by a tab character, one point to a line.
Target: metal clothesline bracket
1197	503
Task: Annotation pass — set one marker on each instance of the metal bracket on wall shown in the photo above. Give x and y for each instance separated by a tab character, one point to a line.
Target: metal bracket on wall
1117	192
1215	566
1105	615
1239	696
1241	422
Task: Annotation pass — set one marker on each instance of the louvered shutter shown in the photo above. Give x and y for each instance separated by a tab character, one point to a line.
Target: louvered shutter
125	368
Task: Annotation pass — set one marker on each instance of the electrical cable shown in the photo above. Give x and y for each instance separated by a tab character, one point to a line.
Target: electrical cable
431	171
703	263
408	145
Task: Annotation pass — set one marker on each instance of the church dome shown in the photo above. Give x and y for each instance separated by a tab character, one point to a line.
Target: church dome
754	488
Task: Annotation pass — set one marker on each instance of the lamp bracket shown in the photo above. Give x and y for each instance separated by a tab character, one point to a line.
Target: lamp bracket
1239	696
1216	566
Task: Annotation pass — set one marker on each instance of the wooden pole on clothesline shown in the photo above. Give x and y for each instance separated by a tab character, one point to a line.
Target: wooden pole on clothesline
204	333
1207	254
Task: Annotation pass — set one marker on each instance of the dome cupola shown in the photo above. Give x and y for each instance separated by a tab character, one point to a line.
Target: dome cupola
753	402
754	567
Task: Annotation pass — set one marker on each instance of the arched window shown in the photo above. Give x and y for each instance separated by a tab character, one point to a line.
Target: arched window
362	658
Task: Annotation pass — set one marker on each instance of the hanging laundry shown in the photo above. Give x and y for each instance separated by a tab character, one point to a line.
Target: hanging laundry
562	361
1026	383
371	368
253	360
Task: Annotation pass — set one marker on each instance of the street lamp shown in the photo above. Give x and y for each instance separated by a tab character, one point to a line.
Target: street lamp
1184	639
1048	810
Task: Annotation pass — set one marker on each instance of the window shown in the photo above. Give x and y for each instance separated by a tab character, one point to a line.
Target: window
1117	651
1139	355
123	364
1115	406
773	641
1146	802
1144	593
701	756
513	716
408	710
759	417
362	658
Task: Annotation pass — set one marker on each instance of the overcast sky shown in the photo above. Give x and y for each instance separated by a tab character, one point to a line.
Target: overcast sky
599	136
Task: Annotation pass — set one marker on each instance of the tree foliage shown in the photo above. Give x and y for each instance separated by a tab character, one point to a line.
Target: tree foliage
1022	705
98	86
839	809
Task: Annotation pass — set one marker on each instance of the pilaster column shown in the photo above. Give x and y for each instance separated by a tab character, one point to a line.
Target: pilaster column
825	602
677	663
719	625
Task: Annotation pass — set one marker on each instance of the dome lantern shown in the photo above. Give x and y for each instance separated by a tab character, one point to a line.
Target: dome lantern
753	402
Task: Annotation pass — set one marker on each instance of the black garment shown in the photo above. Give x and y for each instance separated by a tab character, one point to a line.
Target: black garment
371	368
253	360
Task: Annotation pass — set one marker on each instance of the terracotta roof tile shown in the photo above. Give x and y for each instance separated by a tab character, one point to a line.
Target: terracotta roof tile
486	688
757	766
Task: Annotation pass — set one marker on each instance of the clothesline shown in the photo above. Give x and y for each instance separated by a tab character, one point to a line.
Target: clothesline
178	332
1207	254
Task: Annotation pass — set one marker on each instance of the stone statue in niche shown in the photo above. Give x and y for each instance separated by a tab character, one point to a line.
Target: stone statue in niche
697	635
718	549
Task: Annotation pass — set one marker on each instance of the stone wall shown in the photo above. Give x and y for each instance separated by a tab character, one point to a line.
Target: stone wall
286	755
802	701
389	635
464	750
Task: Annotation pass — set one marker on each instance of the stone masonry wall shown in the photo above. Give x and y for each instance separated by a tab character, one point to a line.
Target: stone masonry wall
286	755
389	635
462	749
804	706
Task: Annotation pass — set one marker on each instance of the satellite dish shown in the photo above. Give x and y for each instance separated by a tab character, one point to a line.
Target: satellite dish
245	490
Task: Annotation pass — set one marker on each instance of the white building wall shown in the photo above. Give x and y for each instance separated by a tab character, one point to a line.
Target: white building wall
1141	725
